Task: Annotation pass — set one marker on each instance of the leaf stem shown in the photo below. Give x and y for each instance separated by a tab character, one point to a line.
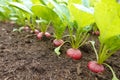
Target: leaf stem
102	55
113	73
86	37
93	45
57	50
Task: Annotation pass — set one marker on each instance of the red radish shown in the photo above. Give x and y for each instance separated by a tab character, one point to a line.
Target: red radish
74	53
58	42
95	67
26	28
47	34
97	33
40	35
36	31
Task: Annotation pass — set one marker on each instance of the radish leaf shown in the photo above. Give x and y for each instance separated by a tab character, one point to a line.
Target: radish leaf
20	6
107	19
57	50
46	13
80	16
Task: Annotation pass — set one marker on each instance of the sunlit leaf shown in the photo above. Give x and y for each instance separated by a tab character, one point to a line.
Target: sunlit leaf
74	1
20	6
36	1
82	18
85	9
107	19
61	10
86	3
113	43
46	13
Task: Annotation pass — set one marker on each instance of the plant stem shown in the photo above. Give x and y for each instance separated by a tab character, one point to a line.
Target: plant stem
108	55
86	37
113	73
102	55
93	45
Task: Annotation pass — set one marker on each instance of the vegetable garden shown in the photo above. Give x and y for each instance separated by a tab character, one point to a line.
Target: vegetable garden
59	40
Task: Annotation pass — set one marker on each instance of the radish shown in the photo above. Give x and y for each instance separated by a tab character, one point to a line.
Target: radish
97	33
36	31
95	67
58	42
26	28
47	34
40	35
74	53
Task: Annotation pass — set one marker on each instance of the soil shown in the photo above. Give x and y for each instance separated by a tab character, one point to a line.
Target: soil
24	57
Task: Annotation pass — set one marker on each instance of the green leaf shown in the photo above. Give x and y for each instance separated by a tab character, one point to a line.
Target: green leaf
41	21
1	9
57	50
62	1
21	7
44	2
107	19
13	18
86	3
74	1
113	43
86	28
61	10
36	1
4	12
108	1
59	30
27	3
46	13
2	15
82	18
85	9
92	2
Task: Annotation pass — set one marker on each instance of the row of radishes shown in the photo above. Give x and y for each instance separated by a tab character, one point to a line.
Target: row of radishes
40	35
73	53
79	17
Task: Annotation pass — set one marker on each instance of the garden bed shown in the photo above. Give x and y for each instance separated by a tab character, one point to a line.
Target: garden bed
24	57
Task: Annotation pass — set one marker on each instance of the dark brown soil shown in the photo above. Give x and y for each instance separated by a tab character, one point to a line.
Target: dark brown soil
24	57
